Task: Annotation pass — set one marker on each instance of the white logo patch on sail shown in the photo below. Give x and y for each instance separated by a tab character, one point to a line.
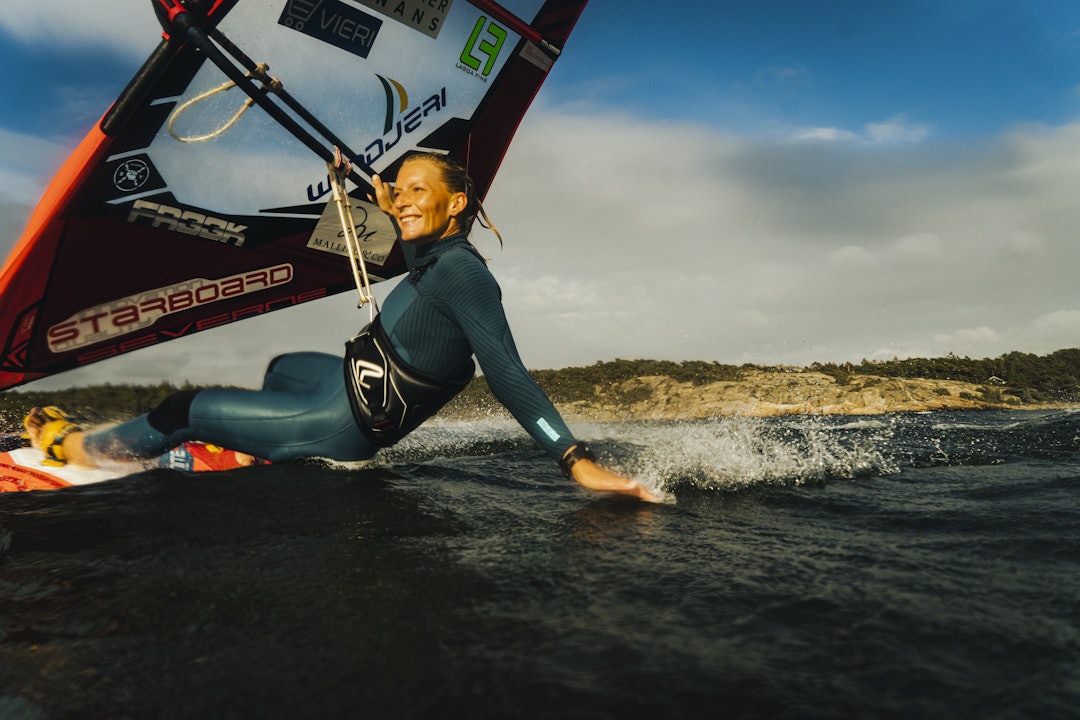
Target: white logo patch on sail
374	230
135	312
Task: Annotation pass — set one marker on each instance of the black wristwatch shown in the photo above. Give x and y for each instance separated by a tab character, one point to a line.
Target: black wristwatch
580	451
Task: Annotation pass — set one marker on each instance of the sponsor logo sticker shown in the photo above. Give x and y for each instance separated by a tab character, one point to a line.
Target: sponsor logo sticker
426	16
482	48
333	22
188	222
537	57
131	175
374	229
401	120
135	312
127	175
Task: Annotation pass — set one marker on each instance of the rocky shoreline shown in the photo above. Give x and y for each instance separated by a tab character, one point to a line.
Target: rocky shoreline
766	393
762	393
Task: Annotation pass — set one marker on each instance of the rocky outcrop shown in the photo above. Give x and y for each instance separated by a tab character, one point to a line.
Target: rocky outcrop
764	393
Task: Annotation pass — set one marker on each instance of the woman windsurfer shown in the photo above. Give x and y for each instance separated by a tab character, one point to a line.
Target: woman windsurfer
447	310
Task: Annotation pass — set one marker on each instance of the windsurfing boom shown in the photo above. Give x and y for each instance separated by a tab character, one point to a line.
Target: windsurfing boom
142	238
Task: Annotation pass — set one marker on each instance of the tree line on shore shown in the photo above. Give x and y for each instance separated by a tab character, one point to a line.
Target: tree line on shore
1034	378
1048	378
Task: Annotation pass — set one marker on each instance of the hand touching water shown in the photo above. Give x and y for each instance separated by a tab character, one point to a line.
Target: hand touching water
590	475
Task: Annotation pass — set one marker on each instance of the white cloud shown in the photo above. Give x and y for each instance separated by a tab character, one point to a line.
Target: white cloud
1040	335
28	163
119	25
1022	245
1056	330
897	130
919	247
978	341
853	258
824	134
735	249
1058	321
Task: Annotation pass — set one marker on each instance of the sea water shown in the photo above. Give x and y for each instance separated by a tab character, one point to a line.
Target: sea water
908	566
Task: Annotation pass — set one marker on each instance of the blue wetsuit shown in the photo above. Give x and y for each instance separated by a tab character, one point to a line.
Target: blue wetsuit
446	310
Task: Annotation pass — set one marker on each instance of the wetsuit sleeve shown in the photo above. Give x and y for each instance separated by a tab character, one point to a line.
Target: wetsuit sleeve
477	308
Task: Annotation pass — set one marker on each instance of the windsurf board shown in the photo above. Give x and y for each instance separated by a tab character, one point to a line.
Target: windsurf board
24	468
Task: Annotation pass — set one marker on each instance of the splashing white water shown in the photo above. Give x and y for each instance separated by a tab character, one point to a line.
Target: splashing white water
715	454
731	453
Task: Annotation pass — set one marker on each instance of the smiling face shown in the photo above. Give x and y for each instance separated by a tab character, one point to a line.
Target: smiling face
426	209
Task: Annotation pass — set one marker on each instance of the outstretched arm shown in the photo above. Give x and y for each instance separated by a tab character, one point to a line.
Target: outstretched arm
462	288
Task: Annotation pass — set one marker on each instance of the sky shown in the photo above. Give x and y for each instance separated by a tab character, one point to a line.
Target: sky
767	182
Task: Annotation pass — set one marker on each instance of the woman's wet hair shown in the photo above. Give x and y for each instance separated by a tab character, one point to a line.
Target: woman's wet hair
457	180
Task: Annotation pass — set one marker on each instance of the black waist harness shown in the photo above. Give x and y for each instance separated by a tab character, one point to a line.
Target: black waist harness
390	399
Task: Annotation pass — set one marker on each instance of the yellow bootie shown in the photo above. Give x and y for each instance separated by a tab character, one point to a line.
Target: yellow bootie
55	426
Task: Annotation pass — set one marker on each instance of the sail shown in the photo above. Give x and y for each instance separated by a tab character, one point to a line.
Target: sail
179	213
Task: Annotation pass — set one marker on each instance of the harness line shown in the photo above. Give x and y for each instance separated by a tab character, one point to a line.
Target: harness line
339	169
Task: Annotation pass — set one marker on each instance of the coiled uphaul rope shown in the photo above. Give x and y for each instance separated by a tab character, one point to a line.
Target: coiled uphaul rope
269	84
